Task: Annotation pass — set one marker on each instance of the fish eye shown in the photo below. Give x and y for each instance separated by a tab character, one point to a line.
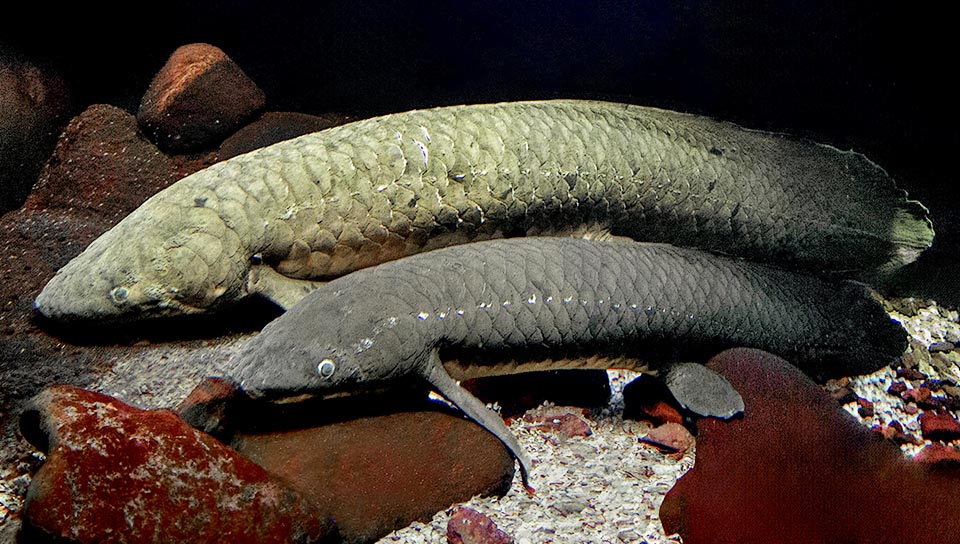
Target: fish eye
326	368
119	295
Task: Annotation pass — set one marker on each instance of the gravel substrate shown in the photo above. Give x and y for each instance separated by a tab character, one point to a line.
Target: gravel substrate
606	487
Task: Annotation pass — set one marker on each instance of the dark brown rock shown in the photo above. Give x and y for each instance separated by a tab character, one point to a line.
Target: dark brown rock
670	438
115	473
939	426
34	106
381	472
910	374
897	388
566	420
273	127
467	526
101	165
796	468
518	393
647	399
198	97
865	408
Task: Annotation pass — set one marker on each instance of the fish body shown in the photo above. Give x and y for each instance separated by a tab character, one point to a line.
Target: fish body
515	305
325	204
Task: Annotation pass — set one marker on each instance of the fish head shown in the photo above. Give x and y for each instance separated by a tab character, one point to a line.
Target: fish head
164	264
323	346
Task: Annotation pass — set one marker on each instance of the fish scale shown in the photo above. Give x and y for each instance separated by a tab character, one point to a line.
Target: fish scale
319	206
536	303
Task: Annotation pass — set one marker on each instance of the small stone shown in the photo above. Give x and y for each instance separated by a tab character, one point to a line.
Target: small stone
939	426
115	473
941	346
571	506
567	420
865	408
669	438
910	374
198	97
467	526
273	127
646	398
934	384
911	409
897	388
918	395
938	454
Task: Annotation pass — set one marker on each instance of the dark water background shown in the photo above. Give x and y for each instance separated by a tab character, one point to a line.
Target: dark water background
872	76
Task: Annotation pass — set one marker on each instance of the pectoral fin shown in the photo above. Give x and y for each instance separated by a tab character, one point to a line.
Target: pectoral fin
477	411
702	391
283	291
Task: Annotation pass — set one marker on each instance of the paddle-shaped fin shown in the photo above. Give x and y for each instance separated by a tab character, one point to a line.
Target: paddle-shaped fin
477	411
702	391
283	291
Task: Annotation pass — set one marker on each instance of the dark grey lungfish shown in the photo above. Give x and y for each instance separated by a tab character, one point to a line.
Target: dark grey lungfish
523	304
324	204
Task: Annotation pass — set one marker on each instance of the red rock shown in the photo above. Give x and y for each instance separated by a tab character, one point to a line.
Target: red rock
670	438
897	388
380	472
567	420
646	398
101	165
34	106
938	454
518	393
796	468
939	426
115	473
917	396
894	432
198	97
273	127
467	526
864	408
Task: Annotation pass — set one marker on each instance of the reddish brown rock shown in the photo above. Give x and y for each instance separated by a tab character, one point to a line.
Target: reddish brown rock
115	473
198	97
670	438
566	420
940	426
102	165
918	396
647	399
381	472
897	388
796	468
894	432
273	127
34	106
865	408
938	454
518	393
467	526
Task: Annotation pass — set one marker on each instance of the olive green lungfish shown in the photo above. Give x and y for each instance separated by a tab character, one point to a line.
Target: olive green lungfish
324	204
506	306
